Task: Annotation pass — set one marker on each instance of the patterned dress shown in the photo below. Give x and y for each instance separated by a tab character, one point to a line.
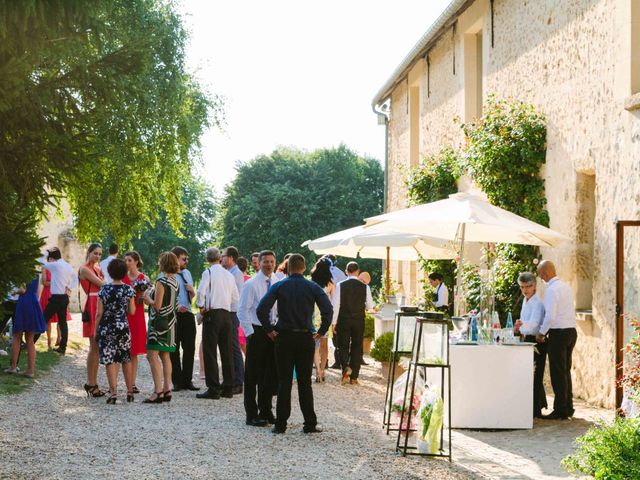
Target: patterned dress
114	337
161	334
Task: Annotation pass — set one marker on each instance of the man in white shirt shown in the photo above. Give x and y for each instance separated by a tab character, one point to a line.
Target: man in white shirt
559	325
350	301
260	368
441	294
529	323
113	254
63	279
216	293
229	261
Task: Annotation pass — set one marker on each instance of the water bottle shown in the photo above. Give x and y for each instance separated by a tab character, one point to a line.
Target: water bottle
474	329
495	325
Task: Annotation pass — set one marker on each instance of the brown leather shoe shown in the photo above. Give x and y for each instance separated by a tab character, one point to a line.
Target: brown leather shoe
354	381
346	376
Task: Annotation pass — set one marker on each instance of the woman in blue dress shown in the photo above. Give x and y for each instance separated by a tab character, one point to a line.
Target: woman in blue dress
27	321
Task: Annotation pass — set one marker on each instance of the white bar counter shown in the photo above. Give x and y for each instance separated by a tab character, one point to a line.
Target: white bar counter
491	386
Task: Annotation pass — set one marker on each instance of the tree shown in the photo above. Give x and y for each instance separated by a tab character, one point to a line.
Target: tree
201	205
95	105
278	201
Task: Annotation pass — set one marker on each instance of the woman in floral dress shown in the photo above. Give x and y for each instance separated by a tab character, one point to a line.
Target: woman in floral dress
161	334
115	300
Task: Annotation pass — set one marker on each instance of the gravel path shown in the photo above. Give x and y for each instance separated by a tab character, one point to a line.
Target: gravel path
53	430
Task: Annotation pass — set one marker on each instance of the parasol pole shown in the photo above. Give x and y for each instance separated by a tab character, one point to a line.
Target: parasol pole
458	294
387	274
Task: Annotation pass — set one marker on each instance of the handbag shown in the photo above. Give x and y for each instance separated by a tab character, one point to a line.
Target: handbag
86	318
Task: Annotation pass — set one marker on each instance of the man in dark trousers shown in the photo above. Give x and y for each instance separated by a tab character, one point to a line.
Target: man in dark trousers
351	298
295	339
182	369
260	370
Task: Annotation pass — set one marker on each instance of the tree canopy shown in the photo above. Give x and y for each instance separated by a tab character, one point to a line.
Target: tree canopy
201	205
95	105
278	201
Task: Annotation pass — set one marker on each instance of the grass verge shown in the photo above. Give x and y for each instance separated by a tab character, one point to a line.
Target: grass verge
45	360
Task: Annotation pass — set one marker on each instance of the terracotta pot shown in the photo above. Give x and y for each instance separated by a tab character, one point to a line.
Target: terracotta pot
385	370
366	345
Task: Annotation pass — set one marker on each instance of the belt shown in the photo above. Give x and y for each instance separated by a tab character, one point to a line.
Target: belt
92	294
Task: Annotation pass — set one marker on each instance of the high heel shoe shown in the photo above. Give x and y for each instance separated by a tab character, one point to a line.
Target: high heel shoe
130	397
93	390
134	390
112	399
166	396
158	398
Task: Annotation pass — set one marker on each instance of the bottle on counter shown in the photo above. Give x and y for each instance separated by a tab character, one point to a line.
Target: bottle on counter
473	329
496	327
509	328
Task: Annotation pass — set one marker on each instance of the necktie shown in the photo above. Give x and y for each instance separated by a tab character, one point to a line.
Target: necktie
268	287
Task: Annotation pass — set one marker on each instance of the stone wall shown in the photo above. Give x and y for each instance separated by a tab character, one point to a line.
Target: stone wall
567	59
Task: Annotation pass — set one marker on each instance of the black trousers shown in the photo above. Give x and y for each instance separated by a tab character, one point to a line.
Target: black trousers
560	348
238	361
350	338
259	375
58	304
182	372
336	348
539	362
216	335
294	350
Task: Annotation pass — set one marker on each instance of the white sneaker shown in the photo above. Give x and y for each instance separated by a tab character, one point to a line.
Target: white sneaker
11	370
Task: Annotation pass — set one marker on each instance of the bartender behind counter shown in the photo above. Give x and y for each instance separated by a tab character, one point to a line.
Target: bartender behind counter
531	317
441	295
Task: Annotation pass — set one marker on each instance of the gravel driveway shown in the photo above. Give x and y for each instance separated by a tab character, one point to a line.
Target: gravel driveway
53	430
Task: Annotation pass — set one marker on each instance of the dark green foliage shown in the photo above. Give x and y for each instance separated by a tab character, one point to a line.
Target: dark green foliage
381	350
277	201
369	325
435	178
96	106
608	451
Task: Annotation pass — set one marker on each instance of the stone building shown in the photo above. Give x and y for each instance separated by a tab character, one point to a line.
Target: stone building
578	62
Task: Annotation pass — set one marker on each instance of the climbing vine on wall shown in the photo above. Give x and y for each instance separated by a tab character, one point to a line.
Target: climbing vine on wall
504	156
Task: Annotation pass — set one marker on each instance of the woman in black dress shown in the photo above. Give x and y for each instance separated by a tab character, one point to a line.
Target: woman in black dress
115	300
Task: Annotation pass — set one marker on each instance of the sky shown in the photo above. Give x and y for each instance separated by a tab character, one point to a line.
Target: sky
297	73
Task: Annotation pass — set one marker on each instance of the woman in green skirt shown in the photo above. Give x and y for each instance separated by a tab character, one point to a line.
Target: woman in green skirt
161	334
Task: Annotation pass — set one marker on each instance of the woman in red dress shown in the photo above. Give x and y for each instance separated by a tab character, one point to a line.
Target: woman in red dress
91	279
137	322
45	295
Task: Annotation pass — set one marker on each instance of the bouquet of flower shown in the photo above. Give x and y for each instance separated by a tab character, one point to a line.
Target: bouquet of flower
430	413
411	405
140	286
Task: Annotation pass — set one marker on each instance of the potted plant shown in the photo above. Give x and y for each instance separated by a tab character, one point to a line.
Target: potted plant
381	352
369	332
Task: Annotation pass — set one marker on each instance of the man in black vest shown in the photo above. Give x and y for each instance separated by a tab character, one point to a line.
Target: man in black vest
351	298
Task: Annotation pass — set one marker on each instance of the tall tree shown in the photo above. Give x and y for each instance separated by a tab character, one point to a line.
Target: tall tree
95	105
197	234
279	200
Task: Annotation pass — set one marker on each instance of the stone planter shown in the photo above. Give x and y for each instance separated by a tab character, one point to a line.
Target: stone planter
385	370
366	345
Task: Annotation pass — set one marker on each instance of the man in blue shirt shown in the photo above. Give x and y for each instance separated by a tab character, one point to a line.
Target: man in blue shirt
294	337
182	371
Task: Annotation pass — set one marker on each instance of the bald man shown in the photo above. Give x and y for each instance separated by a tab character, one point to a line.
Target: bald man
559	331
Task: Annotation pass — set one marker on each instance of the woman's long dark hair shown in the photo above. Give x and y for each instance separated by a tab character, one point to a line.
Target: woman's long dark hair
321	272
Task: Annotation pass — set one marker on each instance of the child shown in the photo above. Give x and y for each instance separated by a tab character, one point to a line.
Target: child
115	300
